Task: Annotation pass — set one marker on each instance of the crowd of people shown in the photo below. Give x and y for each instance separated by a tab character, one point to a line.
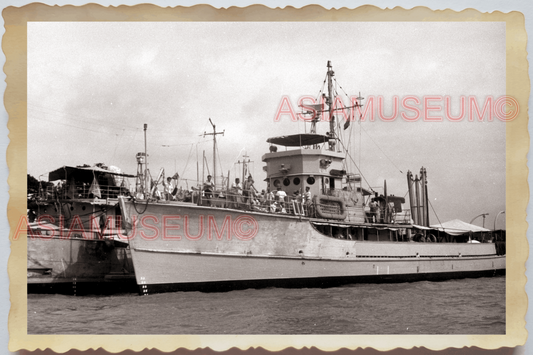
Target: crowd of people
240	195
246	196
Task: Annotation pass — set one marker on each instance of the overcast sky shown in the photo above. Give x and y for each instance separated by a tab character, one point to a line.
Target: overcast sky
92	86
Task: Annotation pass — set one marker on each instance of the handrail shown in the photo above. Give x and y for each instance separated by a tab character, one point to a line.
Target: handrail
82	191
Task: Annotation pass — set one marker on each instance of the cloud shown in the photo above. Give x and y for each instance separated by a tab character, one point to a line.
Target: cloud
92	86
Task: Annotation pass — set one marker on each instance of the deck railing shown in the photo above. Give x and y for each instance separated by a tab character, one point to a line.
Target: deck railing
82	191
298	206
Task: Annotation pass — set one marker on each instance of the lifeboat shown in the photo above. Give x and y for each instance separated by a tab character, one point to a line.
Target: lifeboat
330	207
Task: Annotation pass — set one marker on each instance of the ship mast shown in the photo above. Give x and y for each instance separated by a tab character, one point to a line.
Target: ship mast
214	134
329	101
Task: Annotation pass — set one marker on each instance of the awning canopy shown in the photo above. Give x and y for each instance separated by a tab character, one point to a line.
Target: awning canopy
299	140
458	227
421	227
83	174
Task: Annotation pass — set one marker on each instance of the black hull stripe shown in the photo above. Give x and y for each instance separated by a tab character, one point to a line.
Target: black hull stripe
322	282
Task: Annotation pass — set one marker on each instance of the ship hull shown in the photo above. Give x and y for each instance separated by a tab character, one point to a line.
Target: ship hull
189	247
163	272
78	266
73	249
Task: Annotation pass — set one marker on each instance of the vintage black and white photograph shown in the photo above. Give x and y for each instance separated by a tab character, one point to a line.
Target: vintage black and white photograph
267	177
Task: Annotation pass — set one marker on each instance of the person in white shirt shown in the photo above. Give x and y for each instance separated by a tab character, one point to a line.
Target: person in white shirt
235	193
307	195
168	189
209	187
281	196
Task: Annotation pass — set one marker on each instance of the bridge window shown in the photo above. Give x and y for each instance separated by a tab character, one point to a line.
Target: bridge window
296	181
310	180
286	181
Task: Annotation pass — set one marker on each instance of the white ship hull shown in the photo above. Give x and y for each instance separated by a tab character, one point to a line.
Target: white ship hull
184	246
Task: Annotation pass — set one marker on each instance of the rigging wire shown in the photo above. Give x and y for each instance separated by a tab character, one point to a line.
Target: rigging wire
381	150
346	150
116	145
353	114
360	172
220	164
83	119
361	126
434	211
187	162
322	88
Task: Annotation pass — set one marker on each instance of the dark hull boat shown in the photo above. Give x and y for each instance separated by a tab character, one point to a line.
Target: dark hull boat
73	243
331	238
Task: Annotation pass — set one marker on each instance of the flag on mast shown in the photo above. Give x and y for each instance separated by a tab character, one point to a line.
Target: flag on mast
95	188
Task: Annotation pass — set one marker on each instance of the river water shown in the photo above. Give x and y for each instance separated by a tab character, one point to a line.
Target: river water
467	306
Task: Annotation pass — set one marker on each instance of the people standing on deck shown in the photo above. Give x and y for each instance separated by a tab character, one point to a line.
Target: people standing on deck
262	198
209	187
169	187
296	196
306	199
235	193
307	195
247	192
281	197
270	199
374	207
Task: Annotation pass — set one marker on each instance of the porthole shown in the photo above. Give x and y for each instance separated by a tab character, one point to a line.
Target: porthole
277	183
286	181
310	180
296	181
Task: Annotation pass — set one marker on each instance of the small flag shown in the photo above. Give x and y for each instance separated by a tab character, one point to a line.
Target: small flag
125	183
348	119
71	190
95	188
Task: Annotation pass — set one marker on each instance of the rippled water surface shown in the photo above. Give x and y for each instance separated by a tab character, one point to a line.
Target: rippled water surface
468	306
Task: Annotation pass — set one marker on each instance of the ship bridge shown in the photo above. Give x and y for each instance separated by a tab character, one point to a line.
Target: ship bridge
307	165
